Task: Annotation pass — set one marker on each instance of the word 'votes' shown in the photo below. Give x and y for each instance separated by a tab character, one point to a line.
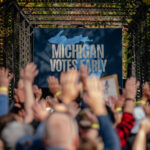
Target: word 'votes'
67	56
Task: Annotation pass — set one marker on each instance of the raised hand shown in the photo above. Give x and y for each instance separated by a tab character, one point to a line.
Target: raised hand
5	79
73	109
120	101
19	92
54	85
29	73
70	85
140	140
39	110
83	74
131	87
94	95
37	92
51	101
146	91
145	125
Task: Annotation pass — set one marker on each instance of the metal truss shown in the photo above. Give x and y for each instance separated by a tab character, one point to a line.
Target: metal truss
77	1
78	22
15	39
85	17
19	17
80	9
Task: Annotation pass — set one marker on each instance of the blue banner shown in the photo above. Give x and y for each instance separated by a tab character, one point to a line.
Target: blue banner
58	49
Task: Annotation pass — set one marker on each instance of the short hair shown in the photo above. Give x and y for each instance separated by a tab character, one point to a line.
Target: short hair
61	129
4	120
13	131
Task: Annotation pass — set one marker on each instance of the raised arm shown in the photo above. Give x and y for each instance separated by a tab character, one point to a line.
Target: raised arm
5	79
70	85
127	123
94	97
28	75
140	141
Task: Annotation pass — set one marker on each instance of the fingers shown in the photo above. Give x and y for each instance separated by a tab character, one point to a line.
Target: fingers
62	79
72	75
52	80
16	98
30	72
54	85
84	70
131	82
31	67
35	87
43	104
146	86
10	77
5	77
36	73
93	83
4	72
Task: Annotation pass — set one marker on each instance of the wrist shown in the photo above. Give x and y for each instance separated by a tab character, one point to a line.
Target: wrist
130	98
100	111
118	110
145	98
142	132
128	110
95	126
57	94
4	90
140	102
66	99
28	82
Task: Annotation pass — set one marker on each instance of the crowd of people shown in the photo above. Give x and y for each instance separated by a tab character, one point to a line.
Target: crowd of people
76	117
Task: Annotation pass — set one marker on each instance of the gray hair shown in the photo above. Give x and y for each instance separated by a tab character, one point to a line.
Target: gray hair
13	132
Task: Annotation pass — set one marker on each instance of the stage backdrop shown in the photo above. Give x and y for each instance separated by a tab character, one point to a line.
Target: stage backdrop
58	49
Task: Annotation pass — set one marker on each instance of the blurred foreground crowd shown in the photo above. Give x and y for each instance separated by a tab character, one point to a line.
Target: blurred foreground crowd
76	117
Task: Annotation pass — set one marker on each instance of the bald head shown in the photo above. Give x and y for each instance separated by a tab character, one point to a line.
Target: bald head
61	130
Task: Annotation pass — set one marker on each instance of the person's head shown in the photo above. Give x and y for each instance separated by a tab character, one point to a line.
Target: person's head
87	144
86	120
61	131
4	120
13	131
